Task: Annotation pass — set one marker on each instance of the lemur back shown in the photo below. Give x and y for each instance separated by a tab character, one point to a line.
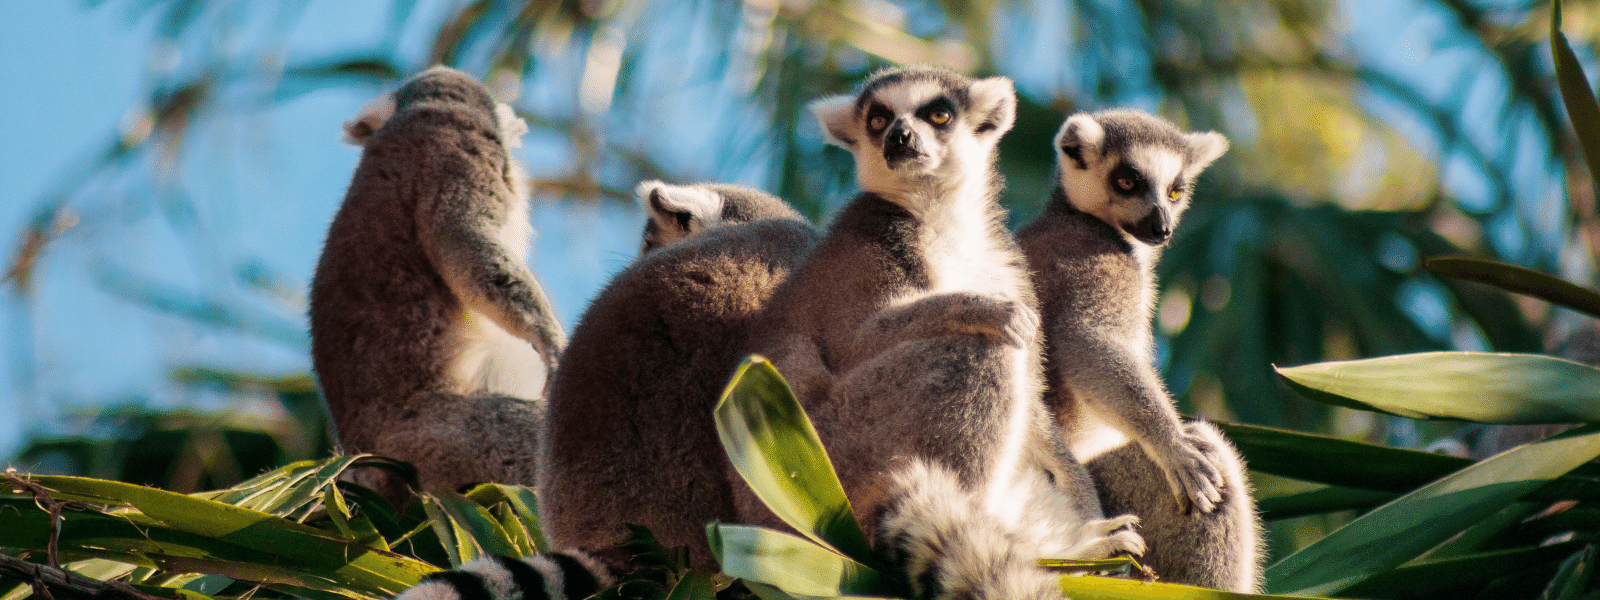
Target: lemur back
1124	179
630	438
430	337
909	337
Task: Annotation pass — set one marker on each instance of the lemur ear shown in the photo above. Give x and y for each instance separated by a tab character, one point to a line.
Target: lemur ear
836	114
994	102
373	114
1079	139
512	127
677	211
1205	147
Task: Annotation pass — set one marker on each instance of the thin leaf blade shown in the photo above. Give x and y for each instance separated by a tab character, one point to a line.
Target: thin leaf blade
1470	386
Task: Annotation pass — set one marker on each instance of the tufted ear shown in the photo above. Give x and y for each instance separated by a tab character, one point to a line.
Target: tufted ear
1080	139
369	120
512	127
994	104
1205	147
676	212
837	115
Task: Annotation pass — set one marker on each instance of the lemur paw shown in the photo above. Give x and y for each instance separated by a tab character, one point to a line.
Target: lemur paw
1104	538
1193	475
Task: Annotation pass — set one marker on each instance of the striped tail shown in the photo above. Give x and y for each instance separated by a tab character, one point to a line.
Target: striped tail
937	538
548	576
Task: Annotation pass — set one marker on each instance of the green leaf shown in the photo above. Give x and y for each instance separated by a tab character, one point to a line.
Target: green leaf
1469	386
524	504
790	563
1090	587
285	490
1324	499
1521	280
1573	577
363	568
772	444
693	586
1330	460
1401	530
1575	92
475	521
1457	577
457	544
1089	566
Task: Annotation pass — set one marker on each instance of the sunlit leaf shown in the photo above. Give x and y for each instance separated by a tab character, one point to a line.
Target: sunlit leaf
793	564
523	503
693	586
1090	587
772	444
1575	92
1471	386
1521	280
1401	530
474	520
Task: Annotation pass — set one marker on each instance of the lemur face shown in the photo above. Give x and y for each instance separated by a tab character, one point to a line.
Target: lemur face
1132	170
919	123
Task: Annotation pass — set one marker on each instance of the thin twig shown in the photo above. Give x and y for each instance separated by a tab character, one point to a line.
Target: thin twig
48	503
45	578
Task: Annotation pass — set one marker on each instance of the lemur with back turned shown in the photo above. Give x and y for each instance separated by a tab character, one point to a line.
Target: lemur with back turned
1124	178
430	337
629	437
910	338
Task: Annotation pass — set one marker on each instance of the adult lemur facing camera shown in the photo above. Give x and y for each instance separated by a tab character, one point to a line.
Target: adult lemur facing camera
1124	178
429	336
910	338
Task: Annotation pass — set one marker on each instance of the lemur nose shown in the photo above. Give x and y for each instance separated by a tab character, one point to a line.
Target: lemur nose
899	135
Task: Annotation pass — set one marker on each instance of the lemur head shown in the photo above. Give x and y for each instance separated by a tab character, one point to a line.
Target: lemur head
678	212
912	127
439	84
1132	170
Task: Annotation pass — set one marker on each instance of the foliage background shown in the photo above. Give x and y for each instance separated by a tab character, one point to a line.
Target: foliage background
158	263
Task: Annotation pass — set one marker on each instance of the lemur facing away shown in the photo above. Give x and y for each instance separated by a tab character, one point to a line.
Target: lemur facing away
630	438
1124	179
427	329
909	337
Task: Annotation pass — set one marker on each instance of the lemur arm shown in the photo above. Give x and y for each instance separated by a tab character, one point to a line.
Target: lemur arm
1121	387
956	313
459	230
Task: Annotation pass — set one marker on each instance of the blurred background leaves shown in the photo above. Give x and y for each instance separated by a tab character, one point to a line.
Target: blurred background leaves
1368	136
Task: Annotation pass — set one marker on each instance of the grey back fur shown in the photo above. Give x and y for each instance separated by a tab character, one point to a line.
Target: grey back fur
428	331
630	438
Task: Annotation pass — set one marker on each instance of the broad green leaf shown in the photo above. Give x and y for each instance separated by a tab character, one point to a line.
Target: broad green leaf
1575	92
1517	279
767	592
364	567
1333	461
1090	587
693	586
790	563
1401	530
458	545
475	521
1470	386
1459	576
1324	499
524	504
772	444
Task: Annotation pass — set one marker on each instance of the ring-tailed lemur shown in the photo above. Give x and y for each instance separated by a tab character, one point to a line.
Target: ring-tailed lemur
427	329
629	437
1124	178
910	338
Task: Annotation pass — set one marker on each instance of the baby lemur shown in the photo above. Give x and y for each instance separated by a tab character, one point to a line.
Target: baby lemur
428	331
909	337
630	438
1124	179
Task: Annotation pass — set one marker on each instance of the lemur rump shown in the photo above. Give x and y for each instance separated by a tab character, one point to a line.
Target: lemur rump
909	337
428	330
1124	179
630	438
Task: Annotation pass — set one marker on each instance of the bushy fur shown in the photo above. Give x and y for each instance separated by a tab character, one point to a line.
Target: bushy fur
428	330
630	437
910	333
1124	179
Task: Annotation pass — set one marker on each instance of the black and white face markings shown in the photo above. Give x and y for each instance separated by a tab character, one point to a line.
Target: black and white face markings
912	124
1132	170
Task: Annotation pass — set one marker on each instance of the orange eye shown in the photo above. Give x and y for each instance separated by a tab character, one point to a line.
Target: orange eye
877	122
1125	184
939	117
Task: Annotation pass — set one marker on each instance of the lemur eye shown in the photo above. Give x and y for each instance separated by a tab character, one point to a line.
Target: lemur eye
1126	184
1175	194
939	117
877	122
